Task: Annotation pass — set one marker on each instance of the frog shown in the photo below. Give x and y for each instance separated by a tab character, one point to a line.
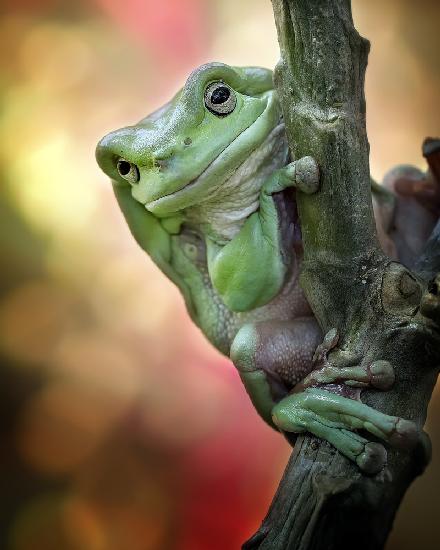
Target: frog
207	185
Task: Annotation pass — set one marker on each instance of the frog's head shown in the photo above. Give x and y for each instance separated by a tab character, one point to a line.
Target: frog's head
186	149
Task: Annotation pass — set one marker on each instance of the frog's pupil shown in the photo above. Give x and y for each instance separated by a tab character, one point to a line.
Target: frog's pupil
220	95
123	167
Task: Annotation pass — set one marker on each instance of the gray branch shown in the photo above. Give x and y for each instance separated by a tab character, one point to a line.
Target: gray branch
381	310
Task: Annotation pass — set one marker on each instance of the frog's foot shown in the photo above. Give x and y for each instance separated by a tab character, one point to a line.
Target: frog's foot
333	418
345	368
379	375
305	173
302	174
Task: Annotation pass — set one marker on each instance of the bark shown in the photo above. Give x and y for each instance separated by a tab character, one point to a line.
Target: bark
381	309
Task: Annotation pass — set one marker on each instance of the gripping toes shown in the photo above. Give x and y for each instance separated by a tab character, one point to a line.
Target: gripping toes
333	418
305	172
379	374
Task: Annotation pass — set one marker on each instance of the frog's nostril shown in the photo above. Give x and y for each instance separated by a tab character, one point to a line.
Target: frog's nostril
128	171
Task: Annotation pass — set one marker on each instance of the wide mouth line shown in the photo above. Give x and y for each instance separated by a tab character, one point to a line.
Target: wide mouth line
193	182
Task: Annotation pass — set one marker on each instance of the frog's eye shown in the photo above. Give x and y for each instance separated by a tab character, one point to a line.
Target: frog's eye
220	99
128	171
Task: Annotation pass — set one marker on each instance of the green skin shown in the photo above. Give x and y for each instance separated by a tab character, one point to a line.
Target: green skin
209	196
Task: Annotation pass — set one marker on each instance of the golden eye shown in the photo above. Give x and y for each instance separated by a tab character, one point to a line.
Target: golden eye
128	171
220	99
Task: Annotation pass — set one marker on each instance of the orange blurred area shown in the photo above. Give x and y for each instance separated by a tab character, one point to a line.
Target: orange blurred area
122	428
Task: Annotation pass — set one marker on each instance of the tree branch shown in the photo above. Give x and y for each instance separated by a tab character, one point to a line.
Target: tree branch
381	310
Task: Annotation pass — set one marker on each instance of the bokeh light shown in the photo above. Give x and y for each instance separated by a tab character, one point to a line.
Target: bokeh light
122	427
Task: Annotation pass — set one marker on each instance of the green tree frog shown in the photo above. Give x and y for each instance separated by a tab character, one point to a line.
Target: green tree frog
207	186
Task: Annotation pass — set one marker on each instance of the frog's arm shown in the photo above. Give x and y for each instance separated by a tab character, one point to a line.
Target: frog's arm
249	270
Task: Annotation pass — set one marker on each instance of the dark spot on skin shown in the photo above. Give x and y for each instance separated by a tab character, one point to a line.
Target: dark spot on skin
314	445
187	141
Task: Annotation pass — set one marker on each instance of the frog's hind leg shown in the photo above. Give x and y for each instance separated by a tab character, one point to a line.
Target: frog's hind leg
333	417
369	456
272	357
275	356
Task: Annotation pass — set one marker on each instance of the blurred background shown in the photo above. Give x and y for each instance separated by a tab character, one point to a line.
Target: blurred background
122	429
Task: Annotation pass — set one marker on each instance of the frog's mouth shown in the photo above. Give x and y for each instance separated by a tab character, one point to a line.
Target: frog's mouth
166	202
222	167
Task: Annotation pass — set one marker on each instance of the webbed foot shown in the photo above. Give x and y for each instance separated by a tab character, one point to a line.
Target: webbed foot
378	375
333	418
345	368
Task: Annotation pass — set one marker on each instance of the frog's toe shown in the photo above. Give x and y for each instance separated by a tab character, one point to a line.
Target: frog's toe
307	175
379	374
382	375
405	435
372	459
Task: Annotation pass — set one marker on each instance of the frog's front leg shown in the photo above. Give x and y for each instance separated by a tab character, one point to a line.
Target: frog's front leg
250	269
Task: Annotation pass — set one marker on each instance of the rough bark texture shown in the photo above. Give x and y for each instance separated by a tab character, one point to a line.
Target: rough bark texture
381	310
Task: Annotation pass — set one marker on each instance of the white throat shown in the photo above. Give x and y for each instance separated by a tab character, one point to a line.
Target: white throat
224	212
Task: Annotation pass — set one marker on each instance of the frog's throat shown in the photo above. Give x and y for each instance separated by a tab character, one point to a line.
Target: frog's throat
222	167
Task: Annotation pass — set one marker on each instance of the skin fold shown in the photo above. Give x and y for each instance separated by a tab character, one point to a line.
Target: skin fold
207	186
